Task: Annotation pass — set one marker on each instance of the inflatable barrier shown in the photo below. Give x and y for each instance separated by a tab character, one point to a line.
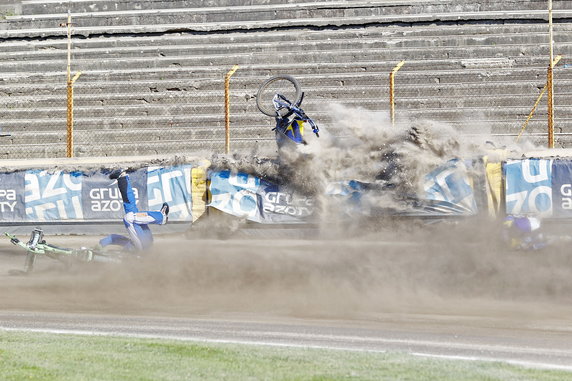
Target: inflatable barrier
457	188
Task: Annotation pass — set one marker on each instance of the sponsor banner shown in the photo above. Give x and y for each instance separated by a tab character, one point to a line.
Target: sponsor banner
42	196
354	198
53	196
102	200
528	187
247	196
12	206
562	188
173	186
281	205
448	190
235	193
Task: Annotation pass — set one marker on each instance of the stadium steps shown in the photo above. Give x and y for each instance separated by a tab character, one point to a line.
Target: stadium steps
318	110
164	47
141	95
400	36
152	103
38	7
229	52
196	139
245	83
214	19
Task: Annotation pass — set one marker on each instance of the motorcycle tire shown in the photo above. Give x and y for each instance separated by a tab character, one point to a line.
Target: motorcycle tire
285	85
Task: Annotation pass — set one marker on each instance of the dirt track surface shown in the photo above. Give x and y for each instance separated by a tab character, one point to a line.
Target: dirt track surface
436	294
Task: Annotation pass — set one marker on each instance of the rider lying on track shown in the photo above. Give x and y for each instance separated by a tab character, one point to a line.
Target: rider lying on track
140	236
523	233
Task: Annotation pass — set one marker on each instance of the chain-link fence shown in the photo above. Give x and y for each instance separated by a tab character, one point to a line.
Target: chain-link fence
117	116
113	116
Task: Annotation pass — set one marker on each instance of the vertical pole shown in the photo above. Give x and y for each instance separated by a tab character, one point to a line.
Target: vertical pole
549	81
392	90
227	108
391	100
70	94
68	24
70	121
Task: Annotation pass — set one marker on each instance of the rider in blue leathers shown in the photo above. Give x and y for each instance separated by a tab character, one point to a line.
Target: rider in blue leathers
136	222
523	233
290	120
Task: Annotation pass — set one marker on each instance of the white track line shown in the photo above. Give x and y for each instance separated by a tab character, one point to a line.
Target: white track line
528	364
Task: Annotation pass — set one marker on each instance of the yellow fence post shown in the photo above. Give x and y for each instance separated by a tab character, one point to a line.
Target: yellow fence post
549	83
227	108
70	115
550	96
392	91
70	82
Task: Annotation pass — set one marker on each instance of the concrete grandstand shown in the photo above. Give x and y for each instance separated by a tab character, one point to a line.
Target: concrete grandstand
153	71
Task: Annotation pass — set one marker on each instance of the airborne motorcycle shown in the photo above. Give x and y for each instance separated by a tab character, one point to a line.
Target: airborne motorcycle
281	97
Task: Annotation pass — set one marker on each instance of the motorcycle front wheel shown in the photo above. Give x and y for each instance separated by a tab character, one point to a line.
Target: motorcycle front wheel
285	85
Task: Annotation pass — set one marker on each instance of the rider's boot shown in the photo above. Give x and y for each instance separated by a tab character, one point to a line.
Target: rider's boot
36	237
117	173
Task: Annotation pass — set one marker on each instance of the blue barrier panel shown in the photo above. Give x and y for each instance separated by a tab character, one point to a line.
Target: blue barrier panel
448	190
42	196
562	188
171	185
101	199
250	197
528	187
12	205
53	196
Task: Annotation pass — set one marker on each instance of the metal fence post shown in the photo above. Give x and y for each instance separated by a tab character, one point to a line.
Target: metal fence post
70	82
549	81
227	108
391	91
70	115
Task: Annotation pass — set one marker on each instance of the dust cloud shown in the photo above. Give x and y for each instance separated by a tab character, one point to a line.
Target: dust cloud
338	268
456	269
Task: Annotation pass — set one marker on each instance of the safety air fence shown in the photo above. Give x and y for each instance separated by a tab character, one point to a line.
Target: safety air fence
533	186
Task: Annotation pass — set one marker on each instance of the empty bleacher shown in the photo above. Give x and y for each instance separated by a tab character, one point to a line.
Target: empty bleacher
152	77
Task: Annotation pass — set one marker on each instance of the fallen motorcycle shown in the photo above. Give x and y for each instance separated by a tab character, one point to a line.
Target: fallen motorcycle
37	246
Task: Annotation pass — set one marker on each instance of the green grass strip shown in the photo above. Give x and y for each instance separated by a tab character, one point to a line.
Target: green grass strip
46	357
